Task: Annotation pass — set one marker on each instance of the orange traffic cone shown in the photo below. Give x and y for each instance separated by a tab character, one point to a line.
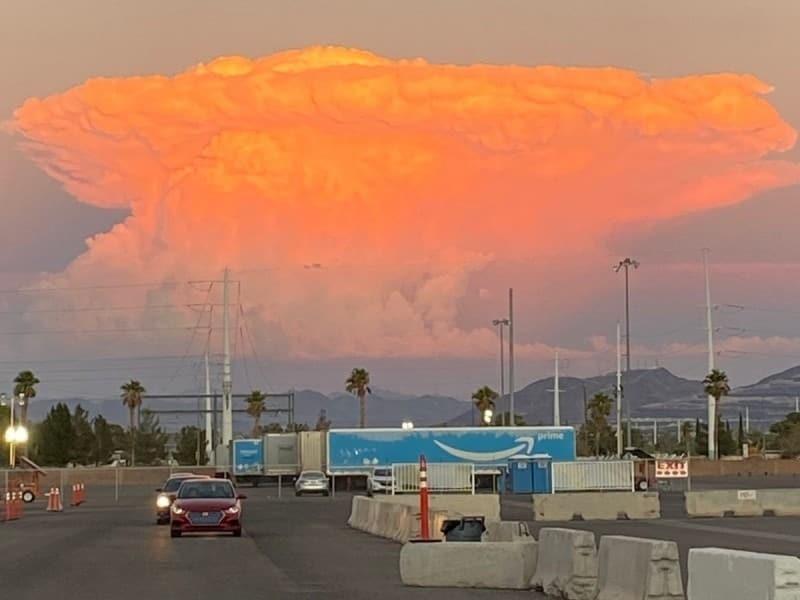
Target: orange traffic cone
83	493
78	496
54	501
9	508
18	512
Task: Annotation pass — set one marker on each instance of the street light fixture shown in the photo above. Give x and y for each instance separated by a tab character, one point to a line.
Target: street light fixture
14	434
500	323
626	264
487	416
407	425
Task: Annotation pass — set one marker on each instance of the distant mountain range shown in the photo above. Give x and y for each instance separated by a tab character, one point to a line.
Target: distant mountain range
652	392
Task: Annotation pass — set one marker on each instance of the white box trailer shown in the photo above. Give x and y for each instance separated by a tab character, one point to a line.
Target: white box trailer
313	446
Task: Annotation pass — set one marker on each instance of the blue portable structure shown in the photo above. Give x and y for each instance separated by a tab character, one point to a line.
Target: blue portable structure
248	457
358	451
529	474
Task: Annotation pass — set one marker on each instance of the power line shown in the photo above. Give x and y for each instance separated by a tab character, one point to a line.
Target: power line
194	332
82	309
253	349
93	331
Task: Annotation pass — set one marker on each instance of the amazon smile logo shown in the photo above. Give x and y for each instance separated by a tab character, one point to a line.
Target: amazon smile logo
488	457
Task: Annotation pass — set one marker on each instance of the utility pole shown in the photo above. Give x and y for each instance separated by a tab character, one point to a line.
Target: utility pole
747	419
556	397
227	385
511	418
209	417
619	393
712	421
627	264
500	323
797	404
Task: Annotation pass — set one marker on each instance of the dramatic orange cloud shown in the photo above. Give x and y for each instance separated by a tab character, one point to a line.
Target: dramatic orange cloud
404	176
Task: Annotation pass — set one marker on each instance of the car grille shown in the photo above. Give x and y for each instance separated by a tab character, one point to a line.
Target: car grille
205	518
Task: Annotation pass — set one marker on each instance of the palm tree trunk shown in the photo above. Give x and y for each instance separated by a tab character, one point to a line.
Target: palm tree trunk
23	412
716	428
362	410
132	410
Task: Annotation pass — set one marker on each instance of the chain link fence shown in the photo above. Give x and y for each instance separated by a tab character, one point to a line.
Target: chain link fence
102	484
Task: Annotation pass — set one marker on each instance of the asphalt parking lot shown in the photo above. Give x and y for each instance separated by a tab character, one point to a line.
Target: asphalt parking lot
291	548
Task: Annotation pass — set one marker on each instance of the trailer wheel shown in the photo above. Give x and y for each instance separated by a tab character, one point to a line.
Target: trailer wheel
28	496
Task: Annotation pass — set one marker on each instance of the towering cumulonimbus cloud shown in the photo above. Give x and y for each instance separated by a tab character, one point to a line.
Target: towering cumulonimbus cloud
403	177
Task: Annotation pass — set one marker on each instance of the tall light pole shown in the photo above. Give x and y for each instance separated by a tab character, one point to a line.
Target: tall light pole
627	264
227	385
511	418
500	323
14	434
712	421
619	394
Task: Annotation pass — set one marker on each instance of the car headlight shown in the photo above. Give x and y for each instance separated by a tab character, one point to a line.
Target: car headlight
232	510
162	502
177	509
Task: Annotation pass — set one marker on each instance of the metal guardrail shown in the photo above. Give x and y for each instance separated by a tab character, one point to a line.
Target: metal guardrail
442	477
582	476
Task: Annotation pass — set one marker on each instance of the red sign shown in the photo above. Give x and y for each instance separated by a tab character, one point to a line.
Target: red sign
672	469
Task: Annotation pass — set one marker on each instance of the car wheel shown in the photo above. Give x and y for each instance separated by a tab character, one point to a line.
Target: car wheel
237	533
28	496
174	533
326	494
298	494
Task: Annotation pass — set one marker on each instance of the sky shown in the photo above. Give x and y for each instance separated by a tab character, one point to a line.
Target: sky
427	156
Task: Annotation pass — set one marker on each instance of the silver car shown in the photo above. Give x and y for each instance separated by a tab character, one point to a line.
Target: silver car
312	482
380	481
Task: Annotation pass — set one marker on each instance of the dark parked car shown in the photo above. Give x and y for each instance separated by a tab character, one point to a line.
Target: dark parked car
206	505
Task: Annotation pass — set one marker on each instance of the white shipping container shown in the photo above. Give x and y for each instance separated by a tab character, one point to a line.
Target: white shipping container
313	448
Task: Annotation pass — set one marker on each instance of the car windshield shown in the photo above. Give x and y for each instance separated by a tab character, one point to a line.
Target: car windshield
206	489
312	475
172	485
382	473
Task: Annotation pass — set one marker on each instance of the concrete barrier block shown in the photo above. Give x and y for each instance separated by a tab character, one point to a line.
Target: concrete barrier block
506	531
596	505
720	503
567	564
722	574
781	502
394	521
495	565
638	569
485	505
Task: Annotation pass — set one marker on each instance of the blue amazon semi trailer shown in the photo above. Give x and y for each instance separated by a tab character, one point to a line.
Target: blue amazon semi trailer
248	460
359	451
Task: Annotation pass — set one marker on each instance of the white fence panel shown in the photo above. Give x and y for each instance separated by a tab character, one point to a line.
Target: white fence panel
442	477
595	475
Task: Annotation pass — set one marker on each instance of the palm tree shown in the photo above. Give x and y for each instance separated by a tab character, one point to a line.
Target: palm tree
716	385
599	411
484	399
686	434
358	384
256	408
24	386
132	393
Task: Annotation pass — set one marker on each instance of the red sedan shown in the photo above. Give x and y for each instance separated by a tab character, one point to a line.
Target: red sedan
206	505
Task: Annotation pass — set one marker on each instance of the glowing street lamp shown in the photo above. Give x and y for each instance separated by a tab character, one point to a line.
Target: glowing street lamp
14	434
407	425
487	416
